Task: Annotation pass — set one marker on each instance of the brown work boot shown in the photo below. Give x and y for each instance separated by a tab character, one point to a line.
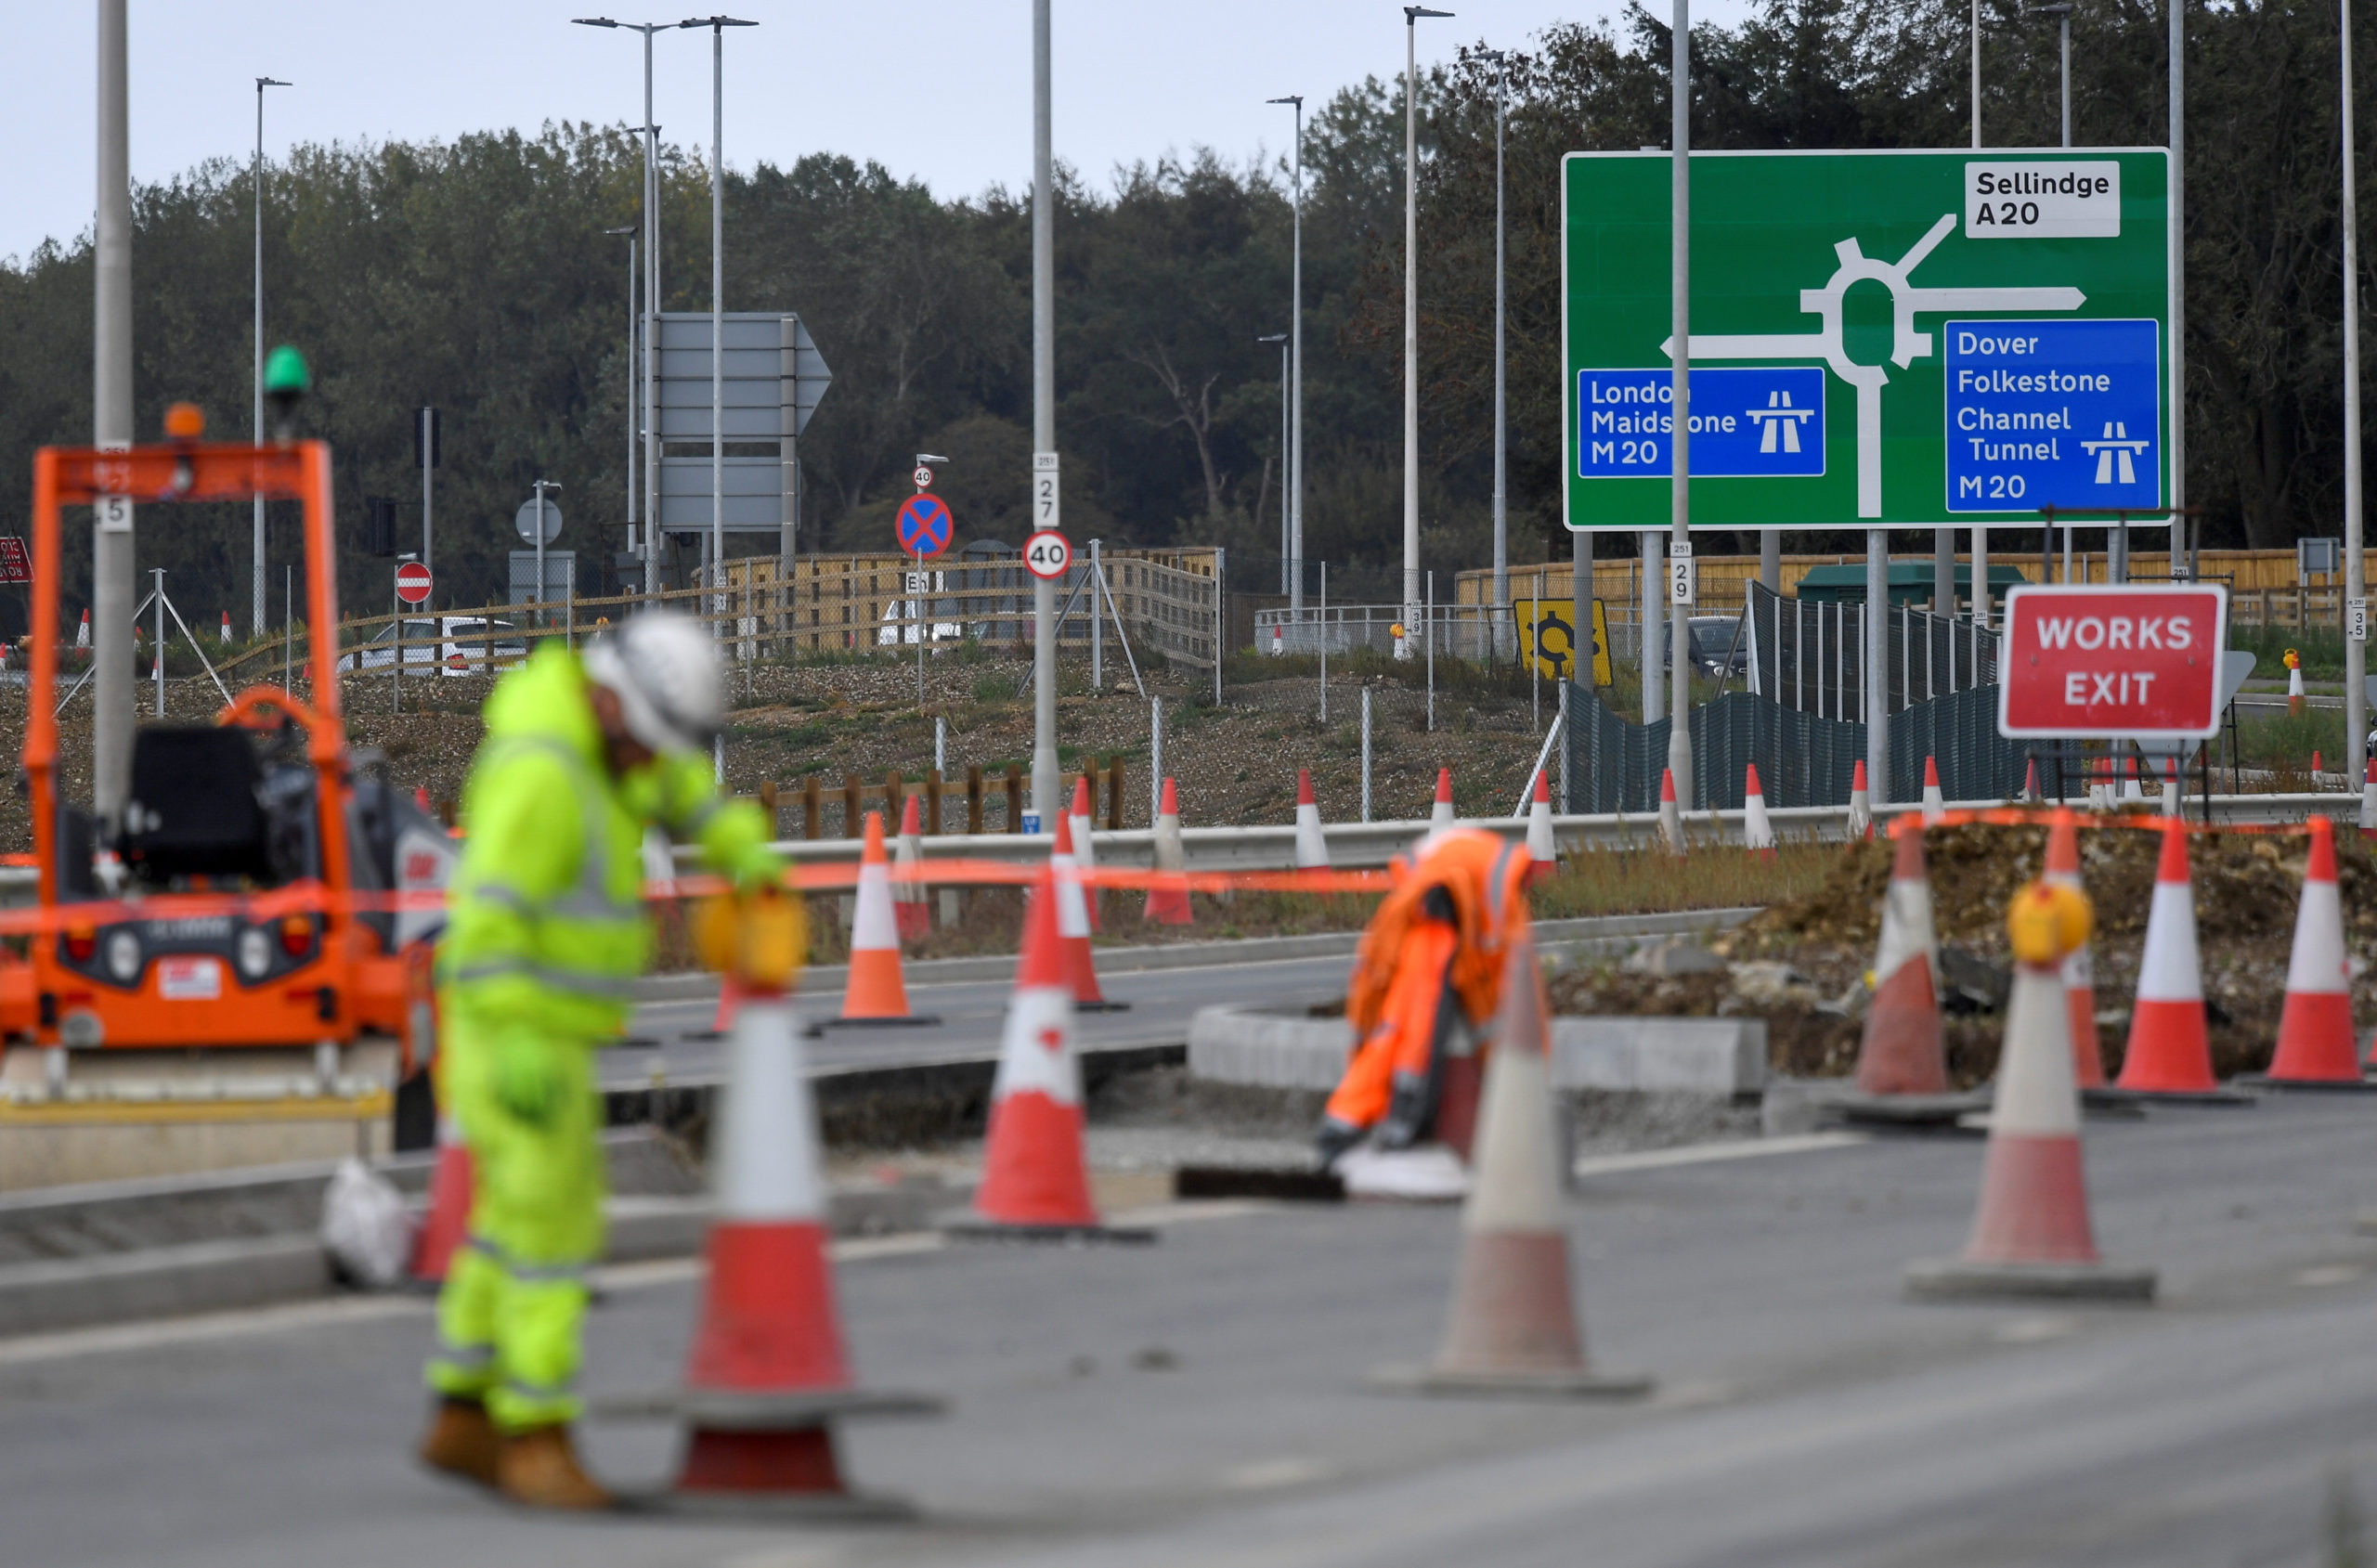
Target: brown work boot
462	1441
539	1467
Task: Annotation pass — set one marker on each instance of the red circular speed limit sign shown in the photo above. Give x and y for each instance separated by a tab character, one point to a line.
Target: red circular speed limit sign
1048	554
412	582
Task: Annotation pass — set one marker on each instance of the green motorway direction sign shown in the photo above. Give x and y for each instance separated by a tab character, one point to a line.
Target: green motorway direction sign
1878	339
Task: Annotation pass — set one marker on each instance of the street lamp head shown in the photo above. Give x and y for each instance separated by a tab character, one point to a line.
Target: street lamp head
716	22
592	21
1273	337
2061	9
1295	98
1412	13
630	229
932	457
264	82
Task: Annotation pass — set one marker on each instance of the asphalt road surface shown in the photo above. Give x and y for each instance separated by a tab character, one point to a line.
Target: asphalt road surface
1204	1400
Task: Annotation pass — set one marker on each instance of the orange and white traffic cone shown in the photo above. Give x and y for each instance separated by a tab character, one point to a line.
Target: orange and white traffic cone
1670	813
2031	1236
1169	906
1901	1052
1861	806
767	1374
1072	927
2078	969
876	995
447	1219
1083	818
2170	787
1035	1170
1440	814
227	629
2295	696
2131	789
1512	1327
2317	767
82	632
911	912
2317	1047
1542	849
1758	828
1312	845
2030	781
1935	804
1278	647
2169	1051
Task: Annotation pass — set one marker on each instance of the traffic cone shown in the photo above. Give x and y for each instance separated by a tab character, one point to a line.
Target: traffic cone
227	629
1440	814
1935	805
2078	970
2030	781
2168	1052
2130	788
2170	787
1278	647
1035	1173
1169	906
1901	1052
421	798
1543	850
2294	696
2031	1235
1072	927
1861	806
875	994
2369	800
767	1374
2315	769
82	632
1312	845
1083	815
910	910
2315	1045
1670	813
447	1219
1758	828
1513	1325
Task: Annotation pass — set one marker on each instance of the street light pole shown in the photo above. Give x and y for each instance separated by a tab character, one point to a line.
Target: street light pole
1679	326
111	556
1501	490
1293	515
2355	650
1044	804
1281	339
261	82
1411	15
651	369
630	232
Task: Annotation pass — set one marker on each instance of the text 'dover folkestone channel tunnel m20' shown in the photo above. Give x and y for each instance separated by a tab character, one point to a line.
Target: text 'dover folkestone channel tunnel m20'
1747	422
2053	413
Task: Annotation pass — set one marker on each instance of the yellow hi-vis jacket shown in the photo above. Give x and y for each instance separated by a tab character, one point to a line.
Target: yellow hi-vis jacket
544	928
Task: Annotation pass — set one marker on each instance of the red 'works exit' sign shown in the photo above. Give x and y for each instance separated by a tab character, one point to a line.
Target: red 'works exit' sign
2126	662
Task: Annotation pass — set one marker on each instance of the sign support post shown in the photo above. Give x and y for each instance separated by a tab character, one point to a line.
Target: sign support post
2355	588
1680	482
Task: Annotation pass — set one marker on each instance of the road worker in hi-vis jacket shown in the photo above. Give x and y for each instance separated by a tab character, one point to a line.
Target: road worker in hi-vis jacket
1427	979
545	936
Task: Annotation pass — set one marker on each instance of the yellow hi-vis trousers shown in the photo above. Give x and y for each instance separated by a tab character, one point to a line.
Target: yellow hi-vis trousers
511	1315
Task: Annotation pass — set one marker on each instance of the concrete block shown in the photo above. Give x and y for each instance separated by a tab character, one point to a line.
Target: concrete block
1271	1050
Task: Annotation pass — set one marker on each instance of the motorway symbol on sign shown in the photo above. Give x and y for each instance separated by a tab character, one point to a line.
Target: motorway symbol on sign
2061	413
412	582
924	524
1849	272
1047	554
2136	663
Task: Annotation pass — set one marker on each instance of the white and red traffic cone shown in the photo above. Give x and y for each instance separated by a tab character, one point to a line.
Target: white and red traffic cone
876	993
1512	1327
1036	1169
227	629
2170	787
910	909
2317	1047
2317	767
1440	814
1758	828
2295	696
1083	818
1670	813
1278	647
1542	849
2078	968
1169	906
2369	800
1935	804
2031	1235
1861	805
1901	1052
1073	926
767	1374
447	1219
2030	781
1312	845
82	632
2169	1051
2131	788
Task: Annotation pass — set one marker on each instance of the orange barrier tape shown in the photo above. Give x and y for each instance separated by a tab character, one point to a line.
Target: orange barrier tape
1912	820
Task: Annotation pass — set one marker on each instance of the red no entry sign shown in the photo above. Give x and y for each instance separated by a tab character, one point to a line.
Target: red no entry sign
412	582
2124	662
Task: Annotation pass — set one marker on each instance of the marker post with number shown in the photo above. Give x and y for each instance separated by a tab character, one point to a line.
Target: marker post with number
1683	575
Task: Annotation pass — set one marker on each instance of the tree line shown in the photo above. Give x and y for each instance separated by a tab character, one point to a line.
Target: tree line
476	275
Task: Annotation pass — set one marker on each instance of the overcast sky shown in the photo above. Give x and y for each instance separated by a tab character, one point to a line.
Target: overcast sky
936	89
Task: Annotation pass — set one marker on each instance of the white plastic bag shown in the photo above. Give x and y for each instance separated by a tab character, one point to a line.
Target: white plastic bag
366	1227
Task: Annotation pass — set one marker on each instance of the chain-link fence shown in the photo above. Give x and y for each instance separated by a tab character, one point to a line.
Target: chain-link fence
1809	654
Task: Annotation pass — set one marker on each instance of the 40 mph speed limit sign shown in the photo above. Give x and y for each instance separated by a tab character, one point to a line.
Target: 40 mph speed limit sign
1047	554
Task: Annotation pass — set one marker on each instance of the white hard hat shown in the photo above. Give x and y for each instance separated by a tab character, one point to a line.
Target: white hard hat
664	672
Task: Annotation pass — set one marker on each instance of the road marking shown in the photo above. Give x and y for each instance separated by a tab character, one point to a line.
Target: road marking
1708	1154
2033	1330
1264	1475
2330	1274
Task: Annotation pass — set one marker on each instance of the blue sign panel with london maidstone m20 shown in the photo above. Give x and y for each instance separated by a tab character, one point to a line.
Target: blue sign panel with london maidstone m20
1753	421
2053	413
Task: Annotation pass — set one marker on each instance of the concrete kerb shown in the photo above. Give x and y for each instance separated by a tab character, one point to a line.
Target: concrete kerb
1722	1057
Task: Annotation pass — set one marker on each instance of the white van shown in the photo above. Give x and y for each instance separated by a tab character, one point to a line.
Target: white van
467	645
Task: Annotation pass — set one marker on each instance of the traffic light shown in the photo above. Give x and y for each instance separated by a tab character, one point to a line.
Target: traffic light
379	525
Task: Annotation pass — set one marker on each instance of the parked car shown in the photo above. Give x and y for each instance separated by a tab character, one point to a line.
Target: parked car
1720	647
466	645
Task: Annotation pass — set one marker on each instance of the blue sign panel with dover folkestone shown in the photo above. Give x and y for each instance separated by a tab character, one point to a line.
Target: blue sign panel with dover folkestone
2053	413
1749	421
